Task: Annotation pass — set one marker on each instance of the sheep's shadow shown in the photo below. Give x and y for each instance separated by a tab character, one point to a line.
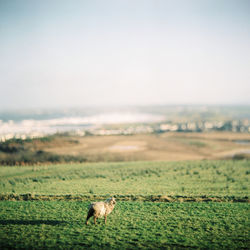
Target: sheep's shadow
31	222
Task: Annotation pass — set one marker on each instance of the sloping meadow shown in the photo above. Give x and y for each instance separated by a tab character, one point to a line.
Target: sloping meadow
137	179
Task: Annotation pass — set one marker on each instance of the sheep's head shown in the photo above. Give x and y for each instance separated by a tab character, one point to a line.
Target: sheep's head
111	201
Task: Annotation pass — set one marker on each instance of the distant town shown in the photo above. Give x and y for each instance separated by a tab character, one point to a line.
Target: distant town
203	126
240	126
25	124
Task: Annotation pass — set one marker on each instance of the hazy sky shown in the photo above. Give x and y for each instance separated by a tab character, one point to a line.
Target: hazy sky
124	52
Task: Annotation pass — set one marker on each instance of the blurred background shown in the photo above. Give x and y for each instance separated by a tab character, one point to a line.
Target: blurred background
124	80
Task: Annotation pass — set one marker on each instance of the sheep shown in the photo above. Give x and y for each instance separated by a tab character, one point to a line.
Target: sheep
99	209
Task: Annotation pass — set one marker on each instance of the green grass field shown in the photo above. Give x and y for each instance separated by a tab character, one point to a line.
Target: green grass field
187	178
132	225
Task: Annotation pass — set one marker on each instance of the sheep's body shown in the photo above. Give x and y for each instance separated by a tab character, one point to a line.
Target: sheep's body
99	209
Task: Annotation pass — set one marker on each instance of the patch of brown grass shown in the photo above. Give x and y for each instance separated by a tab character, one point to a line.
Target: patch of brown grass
166	146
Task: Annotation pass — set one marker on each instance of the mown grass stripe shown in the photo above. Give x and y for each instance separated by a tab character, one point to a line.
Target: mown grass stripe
149	198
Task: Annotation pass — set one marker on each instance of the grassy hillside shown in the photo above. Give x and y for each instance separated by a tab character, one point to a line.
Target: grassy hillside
187	178
131	225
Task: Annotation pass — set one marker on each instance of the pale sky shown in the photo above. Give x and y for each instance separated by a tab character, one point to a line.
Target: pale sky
124	52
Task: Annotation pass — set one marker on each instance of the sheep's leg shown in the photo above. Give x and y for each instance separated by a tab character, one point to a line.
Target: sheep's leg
95	220
90	213
87	219
105	219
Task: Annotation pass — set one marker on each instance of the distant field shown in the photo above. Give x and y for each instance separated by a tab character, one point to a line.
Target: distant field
132	225
165	146
146	147
186	178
